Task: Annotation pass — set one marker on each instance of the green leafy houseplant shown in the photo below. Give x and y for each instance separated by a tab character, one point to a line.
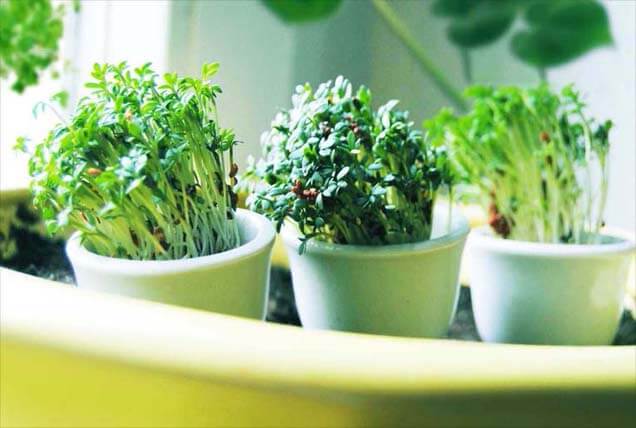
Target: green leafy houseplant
539	162
142	169
552	32
345	173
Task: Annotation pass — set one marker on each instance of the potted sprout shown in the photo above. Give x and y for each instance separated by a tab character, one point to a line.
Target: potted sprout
144	174
353	192
543	271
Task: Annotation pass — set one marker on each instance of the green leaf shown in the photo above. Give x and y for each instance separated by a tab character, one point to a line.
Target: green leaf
294	11
485	23
61	98
21	144
209	70
558	30
454	8
561	31
343	172
171	78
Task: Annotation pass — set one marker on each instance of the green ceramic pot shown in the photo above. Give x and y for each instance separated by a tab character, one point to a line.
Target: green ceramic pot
549	294
233	282
400	290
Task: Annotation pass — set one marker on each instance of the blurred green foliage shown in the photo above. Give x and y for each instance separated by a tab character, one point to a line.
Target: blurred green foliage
29	36
475	22
561	31
555	31
302	10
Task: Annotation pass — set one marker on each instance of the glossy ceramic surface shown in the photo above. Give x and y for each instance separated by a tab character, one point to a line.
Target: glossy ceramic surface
400	290
555	294
233	282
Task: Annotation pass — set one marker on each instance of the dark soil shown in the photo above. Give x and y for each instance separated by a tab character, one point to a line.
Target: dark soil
36	254
45	257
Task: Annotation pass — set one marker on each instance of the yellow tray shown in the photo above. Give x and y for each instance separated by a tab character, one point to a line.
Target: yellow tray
74	358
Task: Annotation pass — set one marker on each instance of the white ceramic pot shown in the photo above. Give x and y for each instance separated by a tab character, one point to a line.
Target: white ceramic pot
557	294
401	290
233	282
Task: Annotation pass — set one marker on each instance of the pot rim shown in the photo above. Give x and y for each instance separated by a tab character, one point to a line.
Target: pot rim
265	235
459	232
482	237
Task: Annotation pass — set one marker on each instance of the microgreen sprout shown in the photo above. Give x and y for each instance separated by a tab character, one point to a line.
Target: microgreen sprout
539	162
346	174
142	169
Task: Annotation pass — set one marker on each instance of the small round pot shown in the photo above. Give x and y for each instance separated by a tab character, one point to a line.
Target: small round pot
234	282
551	294
400	290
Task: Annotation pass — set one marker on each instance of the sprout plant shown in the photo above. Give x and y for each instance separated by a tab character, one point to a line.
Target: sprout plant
345	173
142	170
538	161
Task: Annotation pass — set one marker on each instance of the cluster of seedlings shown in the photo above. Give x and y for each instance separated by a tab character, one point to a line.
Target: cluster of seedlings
346	173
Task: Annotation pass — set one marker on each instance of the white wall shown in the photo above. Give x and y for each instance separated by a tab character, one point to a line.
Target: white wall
255	53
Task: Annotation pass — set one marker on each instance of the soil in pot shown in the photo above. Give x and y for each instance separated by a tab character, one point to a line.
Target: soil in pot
45	257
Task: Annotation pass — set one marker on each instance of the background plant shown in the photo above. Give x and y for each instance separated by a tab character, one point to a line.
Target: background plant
551	32
141	168
539	162
30	31
345	173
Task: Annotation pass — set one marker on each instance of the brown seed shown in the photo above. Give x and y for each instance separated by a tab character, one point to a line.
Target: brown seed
310	194
498	222
93	172
325	129
499	225
233	170
134	238
297	188
544	136
158	233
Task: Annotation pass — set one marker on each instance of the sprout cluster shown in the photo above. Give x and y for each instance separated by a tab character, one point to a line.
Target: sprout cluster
345	173
539	162
142	169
